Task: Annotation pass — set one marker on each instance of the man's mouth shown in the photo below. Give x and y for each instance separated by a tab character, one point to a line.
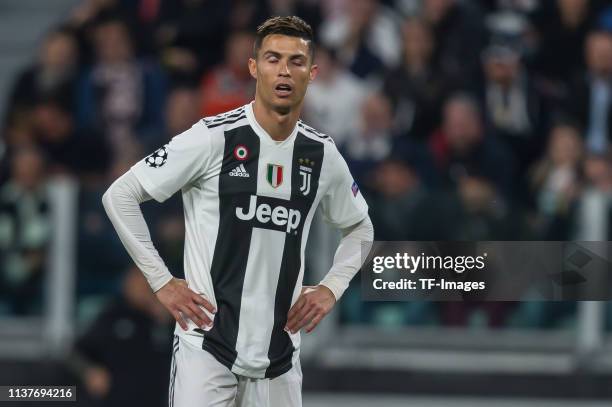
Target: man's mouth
283	90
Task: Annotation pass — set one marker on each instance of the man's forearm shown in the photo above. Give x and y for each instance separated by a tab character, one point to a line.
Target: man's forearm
122	204
348	259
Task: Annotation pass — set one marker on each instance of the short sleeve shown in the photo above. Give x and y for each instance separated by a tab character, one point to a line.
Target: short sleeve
343	205
180	162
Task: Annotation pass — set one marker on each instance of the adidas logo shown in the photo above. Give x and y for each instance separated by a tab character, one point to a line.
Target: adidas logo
239	171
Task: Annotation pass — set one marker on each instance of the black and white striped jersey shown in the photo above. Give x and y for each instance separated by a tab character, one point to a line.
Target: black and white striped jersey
248	203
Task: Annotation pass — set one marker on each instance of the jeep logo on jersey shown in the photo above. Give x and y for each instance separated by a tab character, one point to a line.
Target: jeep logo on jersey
274	175
265	213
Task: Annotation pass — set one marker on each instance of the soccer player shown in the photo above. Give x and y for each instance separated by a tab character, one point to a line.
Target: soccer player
251	180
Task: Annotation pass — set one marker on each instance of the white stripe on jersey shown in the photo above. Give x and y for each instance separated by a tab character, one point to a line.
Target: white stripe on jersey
259	293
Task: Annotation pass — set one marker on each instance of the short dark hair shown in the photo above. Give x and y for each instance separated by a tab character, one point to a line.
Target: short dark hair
292	26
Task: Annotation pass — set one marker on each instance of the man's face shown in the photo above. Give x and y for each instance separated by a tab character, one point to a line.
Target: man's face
502	71
461	125
182	110
239	47
59	53
599	53
283	69
112	43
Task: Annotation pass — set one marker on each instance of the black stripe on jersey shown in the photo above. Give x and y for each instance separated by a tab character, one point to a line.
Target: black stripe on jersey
173	372
312	131
228	113
224	116
228	121
281	348
232	245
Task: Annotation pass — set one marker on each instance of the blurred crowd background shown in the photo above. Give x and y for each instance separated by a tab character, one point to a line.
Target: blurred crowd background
460	120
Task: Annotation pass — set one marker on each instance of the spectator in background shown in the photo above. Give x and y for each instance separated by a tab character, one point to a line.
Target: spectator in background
403	208
437	50
190	34
19	133
121	95
68	150
562	26
52	76
366	37
555	181
334	99
512	106
123	358
397	195
230	84
415	87
308	10
485	213
455	24
484	216
519	6
88	10
374	139
461	147
181	110
591	98
25	231
246	15
594	217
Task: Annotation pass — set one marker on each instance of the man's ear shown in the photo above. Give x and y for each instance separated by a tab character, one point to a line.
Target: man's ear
253	67
314	70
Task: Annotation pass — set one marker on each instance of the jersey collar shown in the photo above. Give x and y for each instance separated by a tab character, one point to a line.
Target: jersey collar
263	134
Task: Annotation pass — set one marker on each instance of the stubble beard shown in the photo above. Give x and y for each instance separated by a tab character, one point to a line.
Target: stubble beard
283	110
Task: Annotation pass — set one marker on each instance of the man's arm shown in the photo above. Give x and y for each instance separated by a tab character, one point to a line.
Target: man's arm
348	259
316	302
122	204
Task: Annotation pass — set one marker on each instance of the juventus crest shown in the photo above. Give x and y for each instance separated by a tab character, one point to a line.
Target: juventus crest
305	173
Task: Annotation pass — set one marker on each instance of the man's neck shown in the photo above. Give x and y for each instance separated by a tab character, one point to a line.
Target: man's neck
278	126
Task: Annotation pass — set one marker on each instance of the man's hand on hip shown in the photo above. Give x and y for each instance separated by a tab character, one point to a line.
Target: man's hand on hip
183	303
310	308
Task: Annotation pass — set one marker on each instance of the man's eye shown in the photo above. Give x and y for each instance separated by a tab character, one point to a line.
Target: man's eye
272	59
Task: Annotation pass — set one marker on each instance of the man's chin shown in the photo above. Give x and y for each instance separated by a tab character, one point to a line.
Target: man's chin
283	105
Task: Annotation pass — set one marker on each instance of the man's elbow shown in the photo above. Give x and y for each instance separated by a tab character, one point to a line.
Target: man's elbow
369	228
362	230
107	199
365	229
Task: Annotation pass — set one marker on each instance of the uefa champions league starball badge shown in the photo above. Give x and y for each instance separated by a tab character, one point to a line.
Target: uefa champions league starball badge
158	158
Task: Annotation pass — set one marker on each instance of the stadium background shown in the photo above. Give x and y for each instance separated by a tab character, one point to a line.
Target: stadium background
461	120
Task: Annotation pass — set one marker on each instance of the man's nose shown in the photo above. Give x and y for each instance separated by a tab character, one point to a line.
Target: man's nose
284	69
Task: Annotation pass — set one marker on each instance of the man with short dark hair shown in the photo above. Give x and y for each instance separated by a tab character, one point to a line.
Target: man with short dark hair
251	180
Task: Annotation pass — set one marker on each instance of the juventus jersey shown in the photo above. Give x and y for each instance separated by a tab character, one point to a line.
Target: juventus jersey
248	204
